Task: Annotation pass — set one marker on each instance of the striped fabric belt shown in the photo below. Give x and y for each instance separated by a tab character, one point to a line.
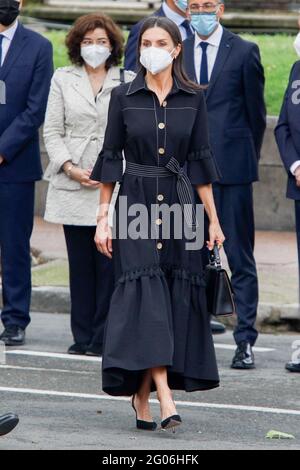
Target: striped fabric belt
184	186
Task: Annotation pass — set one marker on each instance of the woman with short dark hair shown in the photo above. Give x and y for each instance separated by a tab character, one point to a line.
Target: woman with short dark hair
113	38
74	128
158	334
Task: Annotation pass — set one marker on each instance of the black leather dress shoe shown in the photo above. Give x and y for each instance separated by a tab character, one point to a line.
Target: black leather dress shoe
217	328
244	357
8	423
13	336
292	367
77	349
94	350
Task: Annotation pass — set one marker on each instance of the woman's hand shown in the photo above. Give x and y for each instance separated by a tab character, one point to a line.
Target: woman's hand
83	177
103	237
215	235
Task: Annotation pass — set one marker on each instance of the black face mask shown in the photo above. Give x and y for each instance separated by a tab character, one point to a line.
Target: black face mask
9	11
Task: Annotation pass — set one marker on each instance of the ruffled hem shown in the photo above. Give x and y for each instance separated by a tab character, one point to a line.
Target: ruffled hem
168	271
158	317
121	382
109	167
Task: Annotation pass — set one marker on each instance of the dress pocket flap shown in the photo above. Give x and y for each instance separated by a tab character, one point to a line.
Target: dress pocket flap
64	183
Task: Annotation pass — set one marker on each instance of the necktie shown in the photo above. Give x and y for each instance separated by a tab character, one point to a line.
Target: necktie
204	64
1	39
187	26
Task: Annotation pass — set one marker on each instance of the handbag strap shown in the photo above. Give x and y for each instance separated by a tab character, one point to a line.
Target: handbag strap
122	75
214	257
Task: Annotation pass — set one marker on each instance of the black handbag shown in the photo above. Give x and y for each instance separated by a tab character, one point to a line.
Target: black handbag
219	292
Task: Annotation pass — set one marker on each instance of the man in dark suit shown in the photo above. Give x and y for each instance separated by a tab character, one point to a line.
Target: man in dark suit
287	135
231	70
175	11
8	423
26	68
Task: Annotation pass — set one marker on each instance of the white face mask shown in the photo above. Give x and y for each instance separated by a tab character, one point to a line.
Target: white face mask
297	44
156	59
95	55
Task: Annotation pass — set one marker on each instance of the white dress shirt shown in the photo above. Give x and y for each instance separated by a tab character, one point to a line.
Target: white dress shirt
176	18
297	44
8	37
212	50
294	167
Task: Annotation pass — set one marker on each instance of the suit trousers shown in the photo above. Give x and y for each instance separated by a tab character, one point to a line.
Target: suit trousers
91	285
234	205
16	224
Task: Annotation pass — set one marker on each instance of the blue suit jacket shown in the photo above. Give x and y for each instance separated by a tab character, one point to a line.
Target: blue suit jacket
236	107
131	47
287	132
26	73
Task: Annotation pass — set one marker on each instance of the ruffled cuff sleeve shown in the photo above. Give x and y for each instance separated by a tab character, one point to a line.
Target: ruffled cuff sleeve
109	166
202	168
201	165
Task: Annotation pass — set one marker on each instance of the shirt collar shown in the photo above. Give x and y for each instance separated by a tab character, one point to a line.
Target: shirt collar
10	32
139	83
213	40
173	15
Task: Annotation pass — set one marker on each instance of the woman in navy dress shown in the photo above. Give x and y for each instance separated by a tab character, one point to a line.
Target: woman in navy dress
158	334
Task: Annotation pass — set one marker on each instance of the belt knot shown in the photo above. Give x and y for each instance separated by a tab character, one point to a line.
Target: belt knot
180	173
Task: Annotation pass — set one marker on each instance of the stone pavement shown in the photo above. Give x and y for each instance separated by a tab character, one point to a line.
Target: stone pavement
49	239
61	405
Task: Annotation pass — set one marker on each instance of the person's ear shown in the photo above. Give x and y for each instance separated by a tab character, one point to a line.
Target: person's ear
177	51
221	11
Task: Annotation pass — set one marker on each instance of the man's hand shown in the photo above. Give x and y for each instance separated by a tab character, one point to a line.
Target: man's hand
1	159
297	176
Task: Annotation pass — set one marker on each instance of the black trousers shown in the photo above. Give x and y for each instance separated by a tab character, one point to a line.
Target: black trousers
16	223
234	205
91	285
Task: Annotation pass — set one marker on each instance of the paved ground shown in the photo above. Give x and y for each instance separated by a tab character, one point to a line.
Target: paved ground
61	406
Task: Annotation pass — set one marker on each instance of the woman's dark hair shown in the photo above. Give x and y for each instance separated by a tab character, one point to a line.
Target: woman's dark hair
170	27
87	23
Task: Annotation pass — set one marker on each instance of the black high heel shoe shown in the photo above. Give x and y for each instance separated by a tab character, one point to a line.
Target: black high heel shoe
171	423
144	425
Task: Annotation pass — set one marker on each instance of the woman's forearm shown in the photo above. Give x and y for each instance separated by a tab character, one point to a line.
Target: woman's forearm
206	195
106	192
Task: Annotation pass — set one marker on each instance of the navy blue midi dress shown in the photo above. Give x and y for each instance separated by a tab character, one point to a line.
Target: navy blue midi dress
158	314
